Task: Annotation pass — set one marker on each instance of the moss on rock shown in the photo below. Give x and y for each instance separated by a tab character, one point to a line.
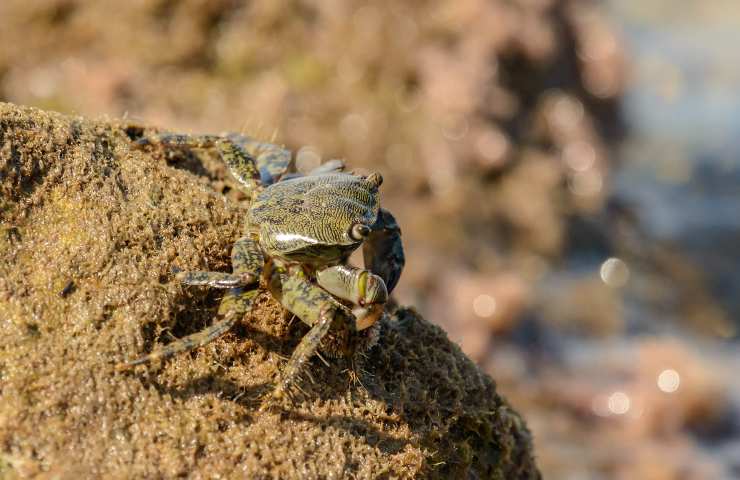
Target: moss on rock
90	231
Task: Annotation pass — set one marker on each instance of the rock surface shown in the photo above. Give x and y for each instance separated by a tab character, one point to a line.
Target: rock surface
90	231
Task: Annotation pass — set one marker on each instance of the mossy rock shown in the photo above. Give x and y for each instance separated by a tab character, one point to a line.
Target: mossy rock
90	232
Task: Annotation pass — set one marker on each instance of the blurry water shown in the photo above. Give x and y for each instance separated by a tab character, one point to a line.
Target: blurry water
681	161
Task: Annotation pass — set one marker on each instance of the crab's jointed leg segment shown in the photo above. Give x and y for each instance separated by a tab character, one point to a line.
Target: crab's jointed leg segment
306	349
314	307
238	301
214	279
176	140
247	261
241	165
233	306
383	250
272	161
247	257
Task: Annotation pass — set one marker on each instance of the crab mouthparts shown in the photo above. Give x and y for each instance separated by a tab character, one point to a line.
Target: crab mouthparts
367	316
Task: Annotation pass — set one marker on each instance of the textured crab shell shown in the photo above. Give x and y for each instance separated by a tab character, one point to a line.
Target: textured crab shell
309	218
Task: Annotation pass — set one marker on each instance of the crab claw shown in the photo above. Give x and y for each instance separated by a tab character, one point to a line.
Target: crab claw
366	290
354	284
383	250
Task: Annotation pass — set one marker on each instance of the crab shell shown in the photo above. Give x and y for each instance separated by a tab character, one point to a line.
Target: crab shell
310	219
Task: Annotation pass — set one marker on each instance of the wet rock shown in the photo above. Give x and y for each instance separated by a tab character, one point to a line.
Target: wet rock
78	205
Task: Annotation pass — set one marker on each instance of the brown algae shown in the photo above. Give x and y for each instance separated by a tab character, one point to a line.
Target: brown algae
78	205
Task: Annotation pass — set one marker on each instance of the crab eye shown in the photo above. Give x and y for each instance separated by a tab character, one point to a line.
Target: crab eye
359	231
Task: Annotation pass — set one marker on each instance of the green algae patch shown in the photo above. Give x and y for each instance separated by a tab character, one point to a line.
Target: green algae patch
90	233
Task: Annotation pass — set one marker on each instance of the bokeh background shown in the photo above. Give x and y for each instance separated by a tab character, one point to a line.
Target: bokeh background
566	174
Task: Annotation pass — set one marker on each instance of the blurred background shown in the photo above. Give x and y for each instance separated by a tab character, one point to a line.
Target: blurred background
566	174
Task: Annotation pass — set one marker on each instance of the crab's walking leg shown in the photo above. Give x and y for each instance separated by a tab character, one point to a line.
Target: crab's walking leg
316	308
272	161
241	164
247	261
214	279
383	250
247	257
233	306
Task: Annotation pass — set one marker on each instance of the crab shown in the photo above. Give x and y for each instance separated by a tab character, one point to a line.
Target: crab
300	231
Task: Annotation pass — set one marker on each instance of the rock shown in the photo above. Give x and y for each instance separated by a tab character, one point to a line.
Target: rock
90	232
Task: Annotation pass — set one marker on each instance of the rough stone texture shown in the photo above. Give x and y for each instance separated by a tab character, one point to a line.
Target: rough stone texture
89	234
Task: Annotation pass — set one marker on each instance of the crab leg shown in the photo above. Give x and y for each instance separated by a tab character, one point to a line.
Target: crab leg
383	250
247	257
314	307
241	164
272	160
233	306
214	279
247	261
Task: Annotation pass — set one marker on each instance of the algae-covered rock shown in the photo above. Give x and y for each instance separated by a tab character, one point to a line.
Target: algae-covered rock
90	232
